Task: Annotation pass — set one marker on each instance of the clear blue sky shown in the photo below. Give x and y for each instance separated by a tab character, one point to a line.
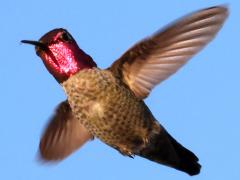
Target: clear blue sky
200	105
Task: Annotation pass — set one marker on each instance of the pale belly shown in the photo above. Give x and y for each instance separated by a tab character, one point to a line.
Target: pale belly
108	109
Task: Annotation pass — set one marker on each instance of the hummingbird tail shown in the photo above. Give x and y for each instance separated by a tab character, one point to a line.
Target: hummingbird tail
164	149
188	160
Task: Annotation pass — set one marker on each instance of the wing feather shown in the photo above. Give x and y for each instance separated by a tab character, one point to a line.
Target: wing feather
155	58
64	134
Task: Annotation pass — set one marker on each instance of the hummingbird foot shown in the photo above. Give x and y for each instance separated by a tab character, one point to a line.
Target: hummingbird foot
125	152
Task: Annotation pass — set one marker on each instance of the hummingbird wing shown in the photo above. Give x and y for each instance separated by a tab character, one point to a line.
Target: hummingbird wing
63	135
155	58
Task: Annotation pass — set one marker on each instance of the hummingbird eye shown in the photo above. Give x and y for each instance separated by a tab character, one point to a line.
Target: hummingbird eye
65	36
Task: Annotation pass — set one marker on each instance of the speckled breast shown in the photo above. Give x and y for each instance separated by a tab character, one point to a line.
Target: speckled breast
105	107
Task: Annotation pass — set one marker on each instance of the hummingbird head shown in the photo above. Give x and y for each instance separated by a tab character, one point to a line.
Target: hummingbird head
61	54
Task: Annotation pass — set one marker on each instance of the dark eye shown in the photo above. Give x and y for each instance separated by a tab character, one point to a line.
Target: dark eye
66	37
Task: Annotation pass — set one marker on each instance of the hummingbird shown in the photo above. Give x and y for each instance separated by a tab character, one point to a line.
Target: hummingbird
109	103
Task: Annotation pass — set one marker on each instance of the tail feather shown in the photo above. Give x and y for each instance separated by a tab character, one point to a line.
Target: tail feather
164	149
188	160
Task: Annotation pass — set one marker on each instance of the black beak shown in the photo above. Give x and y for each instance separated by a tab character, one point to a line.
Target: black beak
35	43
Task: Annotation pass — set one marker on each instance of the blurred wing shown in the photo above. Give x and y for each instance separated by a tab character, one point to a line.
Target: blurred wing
155	58
63	135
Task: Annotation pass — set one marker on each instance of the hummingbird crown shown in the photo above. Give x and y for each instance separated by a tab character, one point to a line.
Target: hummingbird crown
61	54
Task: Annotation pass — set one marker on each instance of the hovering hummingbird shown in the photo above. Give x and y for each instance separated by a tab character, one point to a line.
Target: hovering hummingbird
108	104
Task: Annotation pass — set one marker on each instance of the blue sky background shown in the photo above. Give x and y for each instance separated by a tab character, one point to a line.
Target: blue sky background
199	105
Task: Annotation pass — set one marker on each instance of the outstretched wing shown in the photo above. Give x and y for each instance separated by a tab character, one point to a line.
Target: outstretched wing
63	135
155	58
